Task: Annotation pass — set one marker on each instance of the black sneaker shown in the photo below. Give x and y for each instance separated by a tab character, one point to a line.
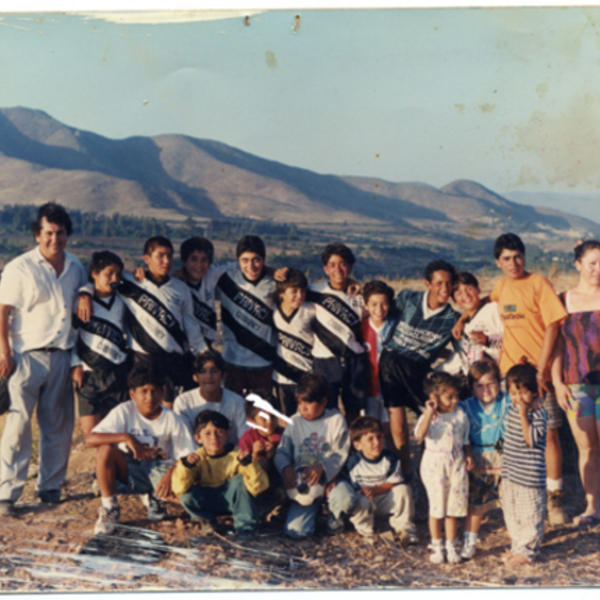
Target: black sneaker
49	496
156	509
7	509
334	526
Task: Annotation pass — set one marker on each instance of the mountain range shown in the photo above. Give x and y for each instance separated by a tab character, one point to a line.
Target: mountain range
178	176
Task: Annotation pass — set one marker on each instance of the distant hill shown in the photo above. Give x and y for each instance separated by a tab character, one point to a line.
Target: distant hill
177	176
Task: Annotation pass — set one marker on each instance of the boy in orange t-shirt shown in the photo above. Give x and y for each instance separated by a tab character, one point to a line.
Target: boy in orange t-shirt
532	313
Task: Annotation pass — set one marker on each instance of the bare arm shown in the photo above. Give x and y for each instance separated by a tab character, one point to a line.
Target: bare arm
563	395
140	451
547	347
423	425
525	424
6	359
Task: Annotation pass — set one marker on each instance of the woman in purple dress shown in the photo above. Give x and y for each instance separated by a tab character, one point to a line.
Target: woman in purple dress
576	372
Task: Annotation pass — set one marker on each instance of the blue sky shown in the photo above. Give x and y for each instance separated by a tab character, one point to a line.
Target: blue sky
507	97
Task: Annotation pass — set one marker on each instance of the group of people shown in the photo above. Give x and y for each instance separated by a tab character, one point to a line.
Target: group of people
260	425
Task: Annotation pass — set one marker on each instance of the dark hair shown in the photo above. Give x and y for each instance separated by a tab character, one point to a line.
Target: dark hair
103	259
252	409
250	243
294	278
209	355
437	381
54	213
583	247
340	250
364	425
197	244
312	388
143	374
508	241
439	265
483	367
523	376
157	241
464	278
202	419
377	287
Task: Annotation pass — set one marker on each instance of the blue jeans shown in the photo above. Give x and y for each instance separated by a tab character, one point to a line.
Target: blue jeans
203	502
301	520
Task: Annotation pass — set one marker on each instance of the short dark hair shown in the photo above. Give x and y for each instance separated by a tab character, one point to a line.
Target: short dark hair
157	241
54	213
508	241
337	249
377	287
482	367
209	355
202	419
143	374
103	259
252	409
523	376
197	244
464	278
294	278
437	381
583	247
312	387
250	243
439	265
364	425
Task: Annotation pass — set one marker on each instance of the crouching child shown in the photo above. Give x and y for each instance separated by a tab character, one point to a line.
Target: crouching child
138	443
218	478
313	449
372	484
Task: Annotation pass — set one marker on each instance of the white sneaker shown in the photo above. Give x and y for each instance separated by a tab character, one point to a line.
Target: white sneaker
451	553
107	519
437	554
468	551
156	509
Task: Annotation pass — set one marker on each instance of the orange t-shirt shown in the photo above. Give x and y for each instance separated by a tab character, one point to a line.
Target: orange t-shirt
527	307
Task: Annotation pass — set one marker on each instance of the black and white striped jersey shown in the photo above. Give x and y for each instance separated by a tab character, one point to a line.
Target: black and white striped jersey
101	343
160	317
295	340
337	324
203	297
247	319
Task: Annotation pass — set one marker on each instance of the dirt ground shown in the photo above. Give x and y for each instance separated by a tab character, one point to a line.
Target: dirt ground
53	549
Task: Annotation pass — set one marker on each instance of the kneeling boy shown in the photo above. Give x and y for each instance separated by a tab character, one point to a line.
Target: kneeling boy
138	442
372	484
218	478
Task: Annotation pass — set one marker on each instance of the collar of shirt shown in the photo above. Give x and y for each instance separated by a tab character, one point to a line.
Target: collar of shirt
428	312
43	261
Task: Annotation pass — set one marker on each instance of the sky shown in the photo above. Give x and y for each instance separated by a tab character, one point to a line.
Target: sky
507	97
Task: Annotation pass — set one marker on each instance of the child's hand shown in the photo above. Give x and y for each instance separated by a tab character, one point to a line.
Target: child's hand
85	308
457	330
157	453
139	274
313	473
431	405
258	448
281	274
478	337
192	458
329	487
367	491
290	478
244	456
353	288
140	451
77	376
269	448
469	463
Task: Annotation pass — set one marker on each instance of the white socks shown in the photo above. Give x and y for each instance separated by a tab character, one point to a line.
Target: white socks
109	502
554	485
437	552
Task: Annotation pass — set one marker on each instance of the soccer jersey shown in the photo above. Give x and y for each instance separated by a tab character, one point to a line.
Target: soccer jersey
522	464
247	319
166	433
101	343
419	332
337	322
295	339
160	316
190	404
487	424
362	471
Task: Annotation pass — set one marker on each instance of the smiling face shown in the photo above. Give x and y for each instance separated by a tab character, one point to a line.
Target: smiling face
213	438
370	444
209	378
159	261
196	265
252	265
589	267
105	280
486	388
511	263
147	399
520	394
439	288
467	297
338	271
291	299
378	306
52	239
